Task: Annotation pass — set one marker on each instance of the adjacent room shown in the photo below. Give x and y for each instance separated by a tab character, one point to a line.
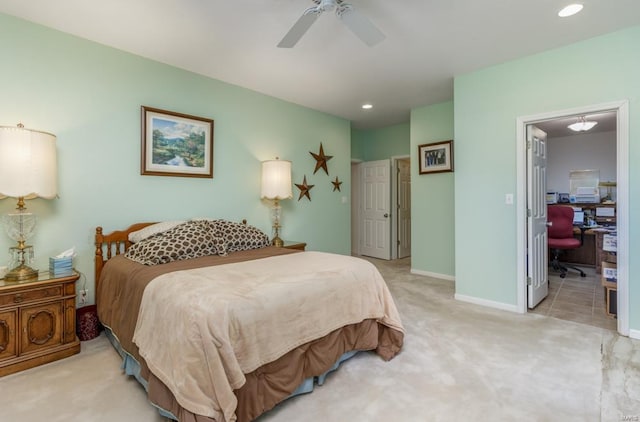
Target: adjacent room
319	210
581	155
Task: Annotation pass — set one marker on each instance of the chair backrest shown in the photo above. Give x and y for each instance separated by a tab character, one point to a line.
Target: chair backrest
561	217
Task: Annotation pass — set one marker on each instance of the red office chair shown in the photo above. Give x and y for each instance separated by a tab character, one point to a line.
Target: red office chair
560	236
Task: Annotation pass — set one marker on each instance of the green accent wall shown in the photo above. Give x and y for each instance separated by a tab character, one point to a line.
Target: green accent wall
487	103
380	144
90	95
432	195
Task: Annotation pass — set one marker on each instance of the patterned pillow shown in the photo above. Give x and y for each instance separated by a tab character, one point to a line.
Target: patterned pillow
187	240
238	237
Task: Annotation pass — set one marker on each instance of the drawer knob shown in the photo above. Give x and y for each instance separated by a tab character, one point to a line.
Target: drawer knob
18	298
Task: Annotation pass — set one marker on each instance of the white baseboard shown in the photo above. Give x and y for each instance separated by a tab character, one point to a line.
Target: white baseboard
634	334
434	275
487	303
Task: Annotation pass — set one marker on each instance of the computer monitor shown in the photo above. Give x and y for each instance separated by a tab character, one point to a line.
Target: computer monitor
578	217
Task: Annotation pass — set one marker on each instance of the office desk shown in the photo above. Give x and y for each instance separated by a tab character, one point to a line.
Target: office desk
584	255
590	253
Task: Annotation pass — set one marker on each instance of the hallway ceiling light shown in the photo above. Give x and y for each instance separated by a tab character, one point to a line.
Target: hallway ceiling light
367	106
582	125
570	10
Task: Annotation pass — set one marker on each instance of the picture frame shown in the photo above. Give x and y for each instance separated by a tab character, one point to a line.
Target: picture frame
436	157
176	144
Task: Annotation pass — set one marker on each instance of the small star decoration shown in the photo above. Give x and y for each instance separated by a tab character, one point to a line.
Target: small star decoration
304	189
336	185
321	160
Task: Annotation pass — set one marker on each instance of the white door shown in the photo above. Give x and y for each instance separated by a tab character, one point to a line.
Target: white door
376	226
537	257
404	208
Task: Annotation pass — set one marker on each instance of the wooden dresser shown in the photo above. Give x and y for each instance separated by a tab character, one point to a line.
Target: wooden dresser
37	322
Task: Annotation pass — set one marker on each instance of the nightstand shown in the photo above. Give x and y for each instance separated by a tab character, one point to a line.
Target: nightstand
290	244
37	322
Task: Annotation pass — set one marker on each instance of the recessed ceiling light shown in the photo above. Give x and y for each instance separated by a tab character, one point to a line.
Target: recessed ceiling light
367	106
570	10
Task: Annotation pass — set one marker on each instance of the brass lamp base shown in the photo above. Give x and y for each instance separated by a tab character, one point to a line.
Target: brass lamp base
21	273
277	242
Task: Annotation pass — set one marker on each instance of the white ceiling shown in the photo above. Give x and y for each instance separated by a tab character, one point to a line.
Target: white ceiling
558	128
428	43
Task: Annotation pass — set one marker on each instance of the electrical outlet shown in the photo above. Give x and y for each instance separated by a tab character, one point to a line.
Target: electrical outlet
83	296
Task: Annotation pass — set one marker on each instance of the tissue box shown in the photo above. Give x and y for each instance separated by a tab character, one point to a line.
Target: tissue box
61	266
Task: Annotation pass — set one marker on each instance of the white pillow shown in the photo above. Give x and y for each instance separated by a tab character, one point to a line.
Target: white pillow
151	230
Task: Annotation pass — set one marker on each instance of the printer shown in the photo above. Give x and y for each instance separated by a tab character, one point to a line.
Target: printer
587	195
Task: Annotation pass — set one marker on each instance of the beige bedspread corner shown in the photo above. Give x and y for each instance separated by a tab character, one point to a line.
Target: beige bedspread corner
233	324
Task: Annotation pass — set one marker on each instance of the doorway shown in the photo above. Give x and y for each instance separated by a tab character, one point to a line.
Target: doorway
381	208
620	109
401	215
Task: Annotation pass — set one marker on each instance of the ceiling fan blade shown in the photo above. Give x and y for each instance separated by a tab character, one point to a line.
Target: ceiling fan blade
361	26
300	28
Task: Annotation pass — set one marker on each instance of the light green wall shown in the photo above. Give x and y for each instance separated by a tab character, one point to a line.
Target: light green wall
90	95
487	103
432	195
380	144
358	138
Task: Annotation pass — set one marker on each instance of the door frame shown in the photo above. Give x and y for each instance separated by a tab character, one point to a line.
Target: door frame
394	204
622	201
356	208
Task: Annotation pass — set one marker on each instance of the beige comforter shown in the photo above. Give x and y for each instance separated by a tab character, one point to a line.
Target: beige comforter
232	318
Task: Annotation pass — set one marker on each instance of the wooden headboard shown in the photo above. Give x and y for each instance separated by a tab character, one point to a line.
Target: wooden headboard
112	244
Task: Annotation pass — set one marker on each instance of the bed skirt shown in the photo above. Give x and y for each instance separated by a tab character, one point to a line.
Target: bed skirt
132	367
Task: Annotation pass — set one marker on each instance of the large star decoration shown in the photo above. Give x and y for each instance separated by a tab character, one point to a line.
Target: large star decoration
321	160
304	189
336	185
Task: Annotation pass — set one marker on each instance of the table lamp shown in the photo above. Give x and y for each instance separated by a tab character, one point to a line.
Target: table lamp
276	185
28	169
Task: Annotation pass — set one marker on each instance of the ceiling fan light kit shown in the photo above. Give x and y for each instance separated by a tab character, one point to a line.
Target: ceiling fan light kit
357	23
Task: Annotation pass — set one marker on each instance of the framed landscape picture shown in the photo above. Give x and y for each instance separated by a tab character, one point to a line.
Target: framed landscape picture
436	157
176	144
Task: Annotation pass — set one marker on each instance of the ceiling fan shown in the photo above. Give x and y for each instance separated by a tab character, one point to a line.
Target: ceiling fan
357	23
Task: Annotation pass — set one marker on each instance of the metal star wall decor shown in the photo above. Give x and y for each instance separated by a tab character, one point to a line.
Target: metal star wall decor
321	160
336	185
304	189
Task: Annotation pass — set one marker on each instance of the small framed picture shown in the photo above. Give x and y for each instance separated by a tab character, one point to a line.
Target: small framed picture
436	157
176	144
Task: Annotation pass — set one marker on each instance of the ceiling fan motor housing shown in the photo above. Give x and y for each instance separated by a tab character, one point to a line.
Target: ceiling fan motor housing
327	5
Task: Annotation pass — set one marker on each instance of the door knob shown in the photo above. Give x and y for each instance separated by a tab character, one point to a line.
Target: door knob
386	215
549	223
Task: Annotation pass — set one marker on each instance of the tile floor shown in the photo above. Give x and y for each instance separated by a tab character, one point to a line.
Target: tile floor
577	299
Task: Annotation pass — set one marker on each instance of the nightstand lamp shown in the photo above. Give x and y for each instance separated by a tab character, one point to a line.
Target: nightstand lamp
28	170
276	185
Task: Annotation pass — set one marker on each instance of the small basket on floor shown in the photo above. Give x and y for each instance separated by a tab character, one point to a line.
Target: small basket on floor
87	324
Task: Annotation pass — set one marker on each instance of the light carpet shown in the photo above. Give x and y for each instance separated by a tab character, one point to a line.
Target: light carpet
460	362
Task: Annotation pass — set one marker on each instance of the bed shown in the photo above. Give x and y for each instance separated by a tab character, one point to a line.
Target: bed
223	337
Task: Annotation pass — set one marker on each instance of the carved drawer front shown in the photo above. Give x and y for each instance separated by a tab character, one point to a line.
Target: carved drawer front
25	296
7	334
41	327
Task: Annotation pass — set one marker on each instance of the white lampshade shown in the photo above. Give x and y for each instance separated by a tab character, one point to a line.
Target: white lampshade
276	179
28	163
